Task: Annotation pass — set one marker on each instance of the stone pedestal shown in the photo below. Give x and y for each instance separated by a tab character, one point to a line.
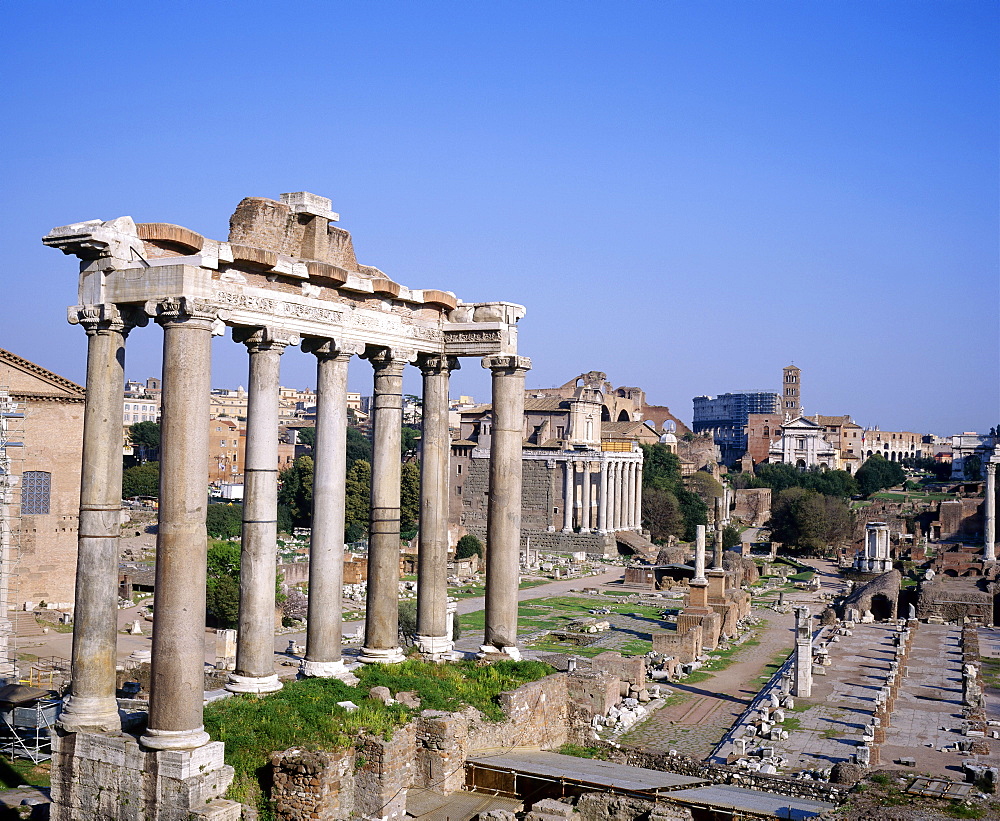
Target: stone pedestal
109	776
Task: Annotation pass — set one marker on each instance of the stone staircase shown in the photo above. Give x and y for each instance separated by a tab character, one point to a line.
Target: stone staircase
631	542
24	624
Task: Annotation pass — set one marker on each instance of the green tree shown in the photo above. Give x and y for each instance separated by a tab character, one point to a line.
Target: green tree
141	480
306	436
409	496
878	473
730	537
661	469
145	439
357	499
224	521
661	514
295	488
694	510
705	485
468	546
358	447
408	438
407	621
222	589
972	466
810	521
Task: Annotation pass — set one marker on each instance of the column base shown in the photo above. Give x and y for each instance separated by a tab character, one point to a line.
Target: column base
491	653
174	739
253	684
325	669
377	655
435	648
90	714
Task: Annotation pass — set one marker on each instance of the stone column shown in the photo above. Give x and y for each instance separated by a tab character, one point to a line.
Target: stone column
585	501
638	496
382	614
433	636
568	496
717	559
255	648
615	488
803	653
178	668
699	554
503	527
990	537
602	502
629	523
92	705
324	633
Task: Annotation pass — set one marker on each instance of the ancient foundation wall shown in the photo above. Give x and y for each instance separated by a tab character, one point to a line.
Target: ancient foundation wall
110	777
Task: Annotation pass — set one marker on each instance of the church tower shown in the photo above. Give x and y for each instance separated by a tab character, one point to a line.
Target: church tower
791	396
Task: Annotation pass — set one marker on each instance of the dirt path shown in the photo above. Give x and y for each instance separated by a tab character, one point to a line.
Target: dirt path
700	714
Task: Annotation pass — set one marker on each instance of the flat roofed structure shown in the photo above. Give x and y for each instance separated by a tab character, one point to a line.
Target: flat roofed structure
744	803
584	772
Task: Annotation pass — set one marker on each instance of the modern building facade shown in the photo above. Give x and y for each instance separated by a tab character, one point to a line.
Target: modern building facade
726	417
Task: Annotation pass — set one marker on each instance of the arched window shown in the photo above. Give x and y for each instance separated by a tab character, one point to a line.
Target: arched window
767	430
35	489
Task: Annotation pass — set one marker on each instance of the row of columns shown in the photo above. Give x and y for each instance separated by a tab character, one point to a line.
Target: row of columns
619	494
178	654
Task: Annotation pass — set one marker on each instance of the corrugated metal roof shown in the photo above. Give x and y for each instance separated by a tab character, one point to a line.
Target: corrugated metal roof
588	771
762	804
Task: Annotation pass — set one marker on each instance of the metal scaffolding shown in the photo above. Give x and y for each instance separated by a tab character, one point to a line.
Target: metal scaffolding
11	449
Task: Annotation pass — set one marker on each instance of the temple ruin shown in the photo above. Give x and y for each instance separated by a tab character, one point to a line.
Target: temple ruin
285	276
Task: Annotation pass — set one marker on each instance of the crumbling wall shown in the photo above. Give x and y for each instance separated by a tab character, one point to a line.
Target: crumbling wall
316	784
384	771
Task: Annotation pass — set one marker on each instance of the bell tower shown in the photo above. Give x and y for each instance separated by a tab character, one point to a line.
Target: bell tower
791	396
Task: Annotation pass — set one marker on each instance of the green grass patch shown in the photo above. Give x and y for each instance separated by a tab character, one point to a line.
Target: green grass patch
959	809
635	647
305	713
15	772
991	672
804	576
583	752
529	583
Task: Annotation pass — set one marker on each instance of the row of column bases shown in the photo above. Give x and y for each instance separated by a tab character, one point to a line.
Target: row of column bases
178	652
618	496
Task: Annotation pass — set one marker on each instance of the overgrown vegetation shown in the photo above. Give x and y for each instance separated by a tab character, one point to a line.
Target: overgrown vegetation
306	713
669	508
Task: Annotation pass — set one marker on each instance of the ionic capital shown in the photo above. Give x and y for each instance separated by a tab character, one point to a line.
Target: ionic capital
390	360
107	318
331	348
184	309
265	338
507	363
432	364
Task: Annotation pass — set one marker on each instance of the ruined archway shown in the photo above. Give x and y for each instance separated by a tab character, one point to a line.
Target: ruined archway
881	607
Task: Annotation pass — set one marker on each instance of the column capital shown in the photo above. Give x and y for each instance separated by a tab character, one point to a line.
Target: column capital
331	348
506	363
389	358
432	363
187	309
265	338
991	467
107	318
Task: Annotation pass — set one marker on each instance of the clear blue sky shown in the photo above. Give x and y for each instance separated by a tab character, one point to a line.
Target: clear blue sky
687	196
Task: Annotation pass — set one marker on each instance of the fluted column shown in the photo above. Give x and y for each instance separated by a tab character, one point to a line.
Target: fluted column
989	549
178	668
503	527
614	497
602	501
433	636
629	522
382	613
92	704
258	558
324	633
638	496
568	496
585	496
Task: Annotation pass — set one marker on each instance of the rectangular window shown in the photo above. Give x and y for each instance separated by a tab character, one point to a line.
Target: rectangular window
458	490
35	489
459	470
